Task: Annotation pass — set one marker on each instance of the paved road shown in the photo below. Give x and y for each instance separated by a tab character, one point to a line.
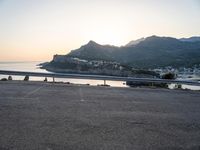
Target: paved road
44	116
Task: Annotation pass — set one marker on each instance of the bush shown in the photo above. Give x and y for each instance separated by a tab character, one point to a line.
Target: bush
4	79
169	76
146	84
178	86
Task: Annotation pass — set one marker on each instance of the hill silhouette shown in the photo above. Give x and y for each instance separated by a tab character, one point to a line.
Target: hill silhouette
150	52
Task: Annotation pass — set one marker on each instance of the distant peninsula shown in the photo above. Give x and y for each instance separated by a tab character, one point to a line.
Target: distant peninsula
136	58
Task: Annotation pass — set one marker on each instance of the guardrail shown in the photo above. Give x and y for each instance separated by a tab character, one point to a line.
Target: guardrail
97	77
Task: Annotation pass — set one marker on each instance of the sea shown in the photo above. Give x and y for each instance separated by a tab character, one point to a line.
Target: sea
32	66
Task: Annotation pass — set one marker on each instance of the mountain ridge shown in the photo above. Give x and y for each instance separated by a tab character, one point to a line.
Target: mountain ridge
150	52
191	39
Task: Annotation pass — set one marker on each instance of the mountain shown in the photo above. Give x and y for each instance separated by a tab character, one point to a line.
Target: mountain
135	42
191	39
93	51
150	52
156	52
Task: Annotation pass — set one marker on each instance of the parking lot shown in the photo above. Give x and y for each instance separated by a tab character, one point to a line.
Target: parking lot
46	116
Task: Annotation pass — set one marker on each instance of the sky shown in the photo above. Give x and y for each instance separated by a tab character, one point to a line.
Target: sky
35	30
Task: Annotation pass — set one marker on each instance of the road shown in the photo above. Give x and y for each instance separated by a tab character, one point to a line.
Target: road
46	116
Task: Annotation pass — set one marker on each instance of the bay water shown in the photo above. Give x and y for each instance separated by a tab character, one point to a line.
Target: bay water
33	67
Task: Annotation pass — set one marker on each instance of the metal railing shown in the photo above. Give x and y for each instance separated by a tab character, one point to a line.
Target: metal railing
97	77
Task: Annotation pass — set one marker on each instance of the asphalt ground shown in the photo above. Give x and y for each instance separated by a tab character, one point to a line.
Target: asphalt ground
46	116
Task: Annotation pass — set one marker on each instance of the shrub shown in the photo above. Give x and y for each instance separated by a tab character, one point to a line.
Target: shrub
169	76
4	79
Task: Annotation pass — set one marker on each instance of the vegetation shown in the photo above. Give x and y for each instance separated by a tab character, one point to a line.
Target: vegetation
148	53
111	68
169	76
152	52
178	86
146	84
4	79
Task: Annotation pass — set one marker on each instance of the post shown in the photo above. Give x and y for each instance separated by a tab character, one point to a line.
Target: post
53	79
104	82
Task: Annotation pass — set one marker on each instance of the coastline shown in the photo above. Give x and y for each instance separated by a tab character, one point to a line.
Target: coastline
33	67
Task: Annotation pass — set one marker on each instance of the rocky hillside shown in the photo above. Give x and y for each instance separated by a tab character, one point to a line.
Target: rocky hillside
151	52
66	64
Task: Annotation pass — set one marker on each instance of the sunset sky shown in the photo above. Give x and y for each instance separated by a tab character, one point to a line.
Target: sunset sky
32	30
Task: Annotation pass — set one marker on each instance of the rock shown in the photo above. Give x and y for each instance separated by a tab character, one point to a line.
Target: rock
4	79
26	78
9	78
45	80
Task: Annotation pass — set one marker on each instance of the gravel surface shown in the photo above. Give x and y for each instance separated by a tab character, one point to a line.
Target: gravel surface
46	116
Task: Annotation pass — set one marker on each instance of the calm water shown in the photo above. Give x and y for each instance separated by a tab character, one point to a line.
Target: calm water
32	67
